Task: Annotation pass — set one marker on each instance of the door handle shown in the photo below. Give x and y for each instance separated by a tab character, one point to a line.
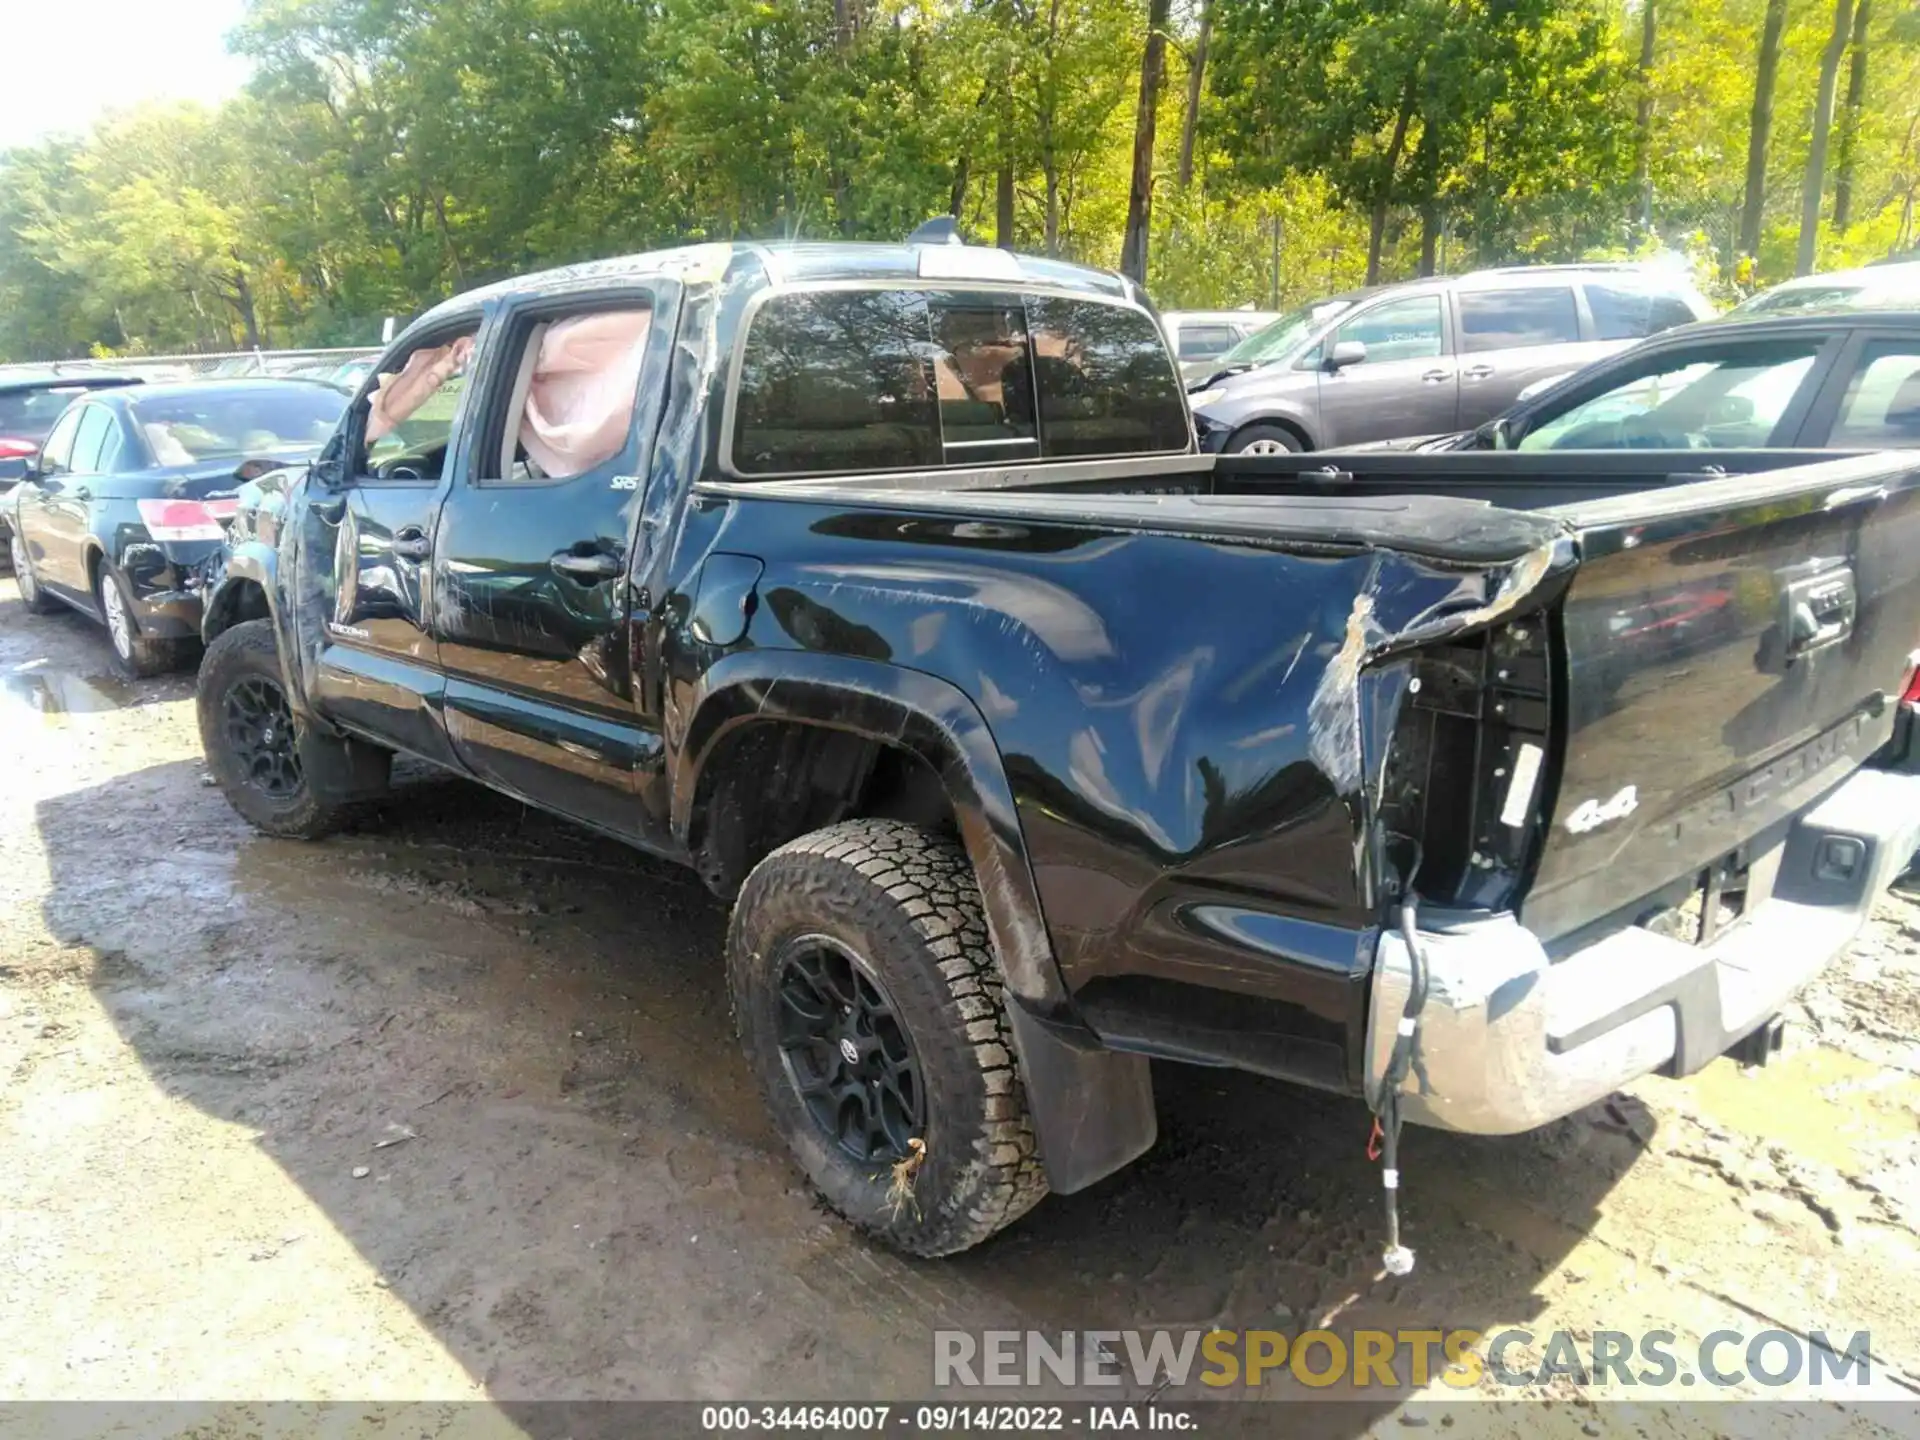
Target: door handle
82	493
410	542
1434	377
1478	372
1819	611
589	569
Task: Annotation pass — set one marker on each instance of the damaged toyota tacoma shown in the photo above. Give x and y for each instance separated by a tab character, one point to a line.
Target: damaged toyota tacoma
885	587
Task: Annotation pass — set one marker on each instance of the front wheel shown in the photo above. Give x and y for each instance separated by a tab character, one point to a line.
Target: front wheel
255	747
870	1008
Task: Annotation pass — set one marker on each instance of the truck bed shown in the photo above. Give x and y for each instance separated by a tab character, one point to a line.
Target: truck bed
1677	689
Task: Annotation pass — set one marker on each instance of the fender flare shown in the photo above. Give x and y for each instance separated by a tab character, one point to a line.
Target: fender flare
253	562
1092	1108
249	563
929	718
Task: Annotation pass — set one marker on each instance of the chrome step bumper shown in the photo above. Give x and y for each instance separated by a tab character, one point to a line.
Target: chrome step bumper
1508	1040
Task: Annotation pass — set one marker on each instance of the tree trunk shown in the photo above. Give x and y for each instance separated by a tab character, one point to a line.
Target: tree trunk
1850	117
1153	62
1760	126
1383	191
446	240
1815	181
1050	233
1643	149
1273	273
243	305
957	195
1196	83
1429	237
1003	207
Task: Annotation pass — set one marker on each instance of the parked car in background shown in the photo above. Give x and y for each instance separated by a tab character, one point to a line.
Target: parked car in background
1838	379
30	401
1870	287
1200	337
1429	355
130	494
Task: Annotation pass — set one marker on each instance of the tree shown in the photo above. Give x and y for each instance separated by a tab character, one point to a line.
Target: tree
1815	182
1196	87
1760	126
1153	62
1643	169
1850	116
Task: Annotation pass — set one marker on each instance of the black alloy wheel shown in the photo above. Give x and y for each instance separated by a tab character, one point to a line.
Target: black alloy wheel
260	734
846	1052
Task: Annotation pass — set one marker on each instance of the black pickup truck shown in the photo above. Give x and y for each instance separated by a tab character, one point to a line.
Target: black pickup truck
884	586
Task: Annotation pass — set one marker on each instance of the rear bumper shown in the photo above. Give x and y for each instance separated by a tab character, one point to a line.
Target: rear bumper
1508	1041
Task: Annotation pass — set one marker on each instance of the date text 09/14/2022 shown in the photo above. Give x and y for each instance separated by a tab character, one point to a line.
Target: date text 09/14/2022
943	1418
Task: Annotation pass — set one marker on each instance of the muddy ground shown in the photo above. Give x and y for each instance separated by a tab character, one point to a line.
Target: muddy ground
211	1042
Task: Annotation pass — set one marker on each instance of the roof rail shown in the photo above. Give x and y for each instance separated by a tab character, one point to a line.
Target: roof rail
1570	265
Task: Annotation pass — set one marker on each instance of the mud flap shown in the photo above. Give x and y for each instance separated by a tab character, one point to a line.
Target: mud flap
1092	1108
344	769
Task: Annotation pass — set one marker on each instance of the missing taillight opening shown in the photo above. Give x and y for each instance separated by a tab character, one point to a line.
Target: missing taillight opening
174	520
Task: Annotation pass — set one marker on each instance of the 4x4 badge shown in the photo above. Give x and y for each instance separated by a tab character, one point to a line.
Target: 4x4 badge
1592	814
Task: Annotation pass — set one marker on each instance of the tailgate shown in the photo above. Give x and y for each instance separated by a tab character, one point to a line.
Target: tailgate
1732	649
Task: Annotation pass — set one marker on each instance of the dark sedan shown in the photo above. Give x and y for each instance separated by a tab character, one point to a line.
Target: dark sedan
30	401
129	497
1842	379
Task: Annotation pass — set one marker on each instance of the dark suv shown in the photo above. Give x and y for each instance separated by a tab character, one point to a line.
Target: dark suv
1430	355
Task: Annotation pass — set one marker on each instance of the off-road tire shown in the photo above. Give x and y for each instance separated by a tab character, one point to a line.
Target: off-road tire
905	901
32	595
137	656
247	652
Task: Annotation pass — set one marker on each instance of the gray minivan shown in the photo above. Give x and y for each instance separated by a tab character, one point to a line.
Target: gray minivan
1428	356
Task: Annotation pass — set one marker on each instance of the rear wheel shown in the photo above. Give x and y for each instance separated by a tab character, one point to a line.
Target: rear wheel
139	655
869	1005
37	601
258	751
1265	440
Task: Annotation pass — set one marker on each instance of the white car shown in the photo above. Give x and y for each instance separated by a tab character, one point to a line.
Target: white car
1870	287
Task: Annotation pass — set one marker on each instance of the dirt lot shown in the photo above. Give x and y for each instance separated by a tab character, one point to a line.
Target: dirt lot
449	1108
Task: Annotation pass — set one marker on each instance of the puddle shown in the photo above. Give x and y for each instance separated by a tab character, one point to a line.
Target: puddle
54	692
1826	1104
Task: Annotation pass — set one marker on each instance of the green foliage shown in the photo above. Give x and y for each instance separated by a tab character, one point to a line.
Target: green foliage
389	152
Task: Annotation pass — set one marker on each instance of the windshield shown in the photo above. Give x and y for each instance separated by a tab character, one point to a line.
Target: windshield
1730	401
29	414
220	424
1283	336
1800	297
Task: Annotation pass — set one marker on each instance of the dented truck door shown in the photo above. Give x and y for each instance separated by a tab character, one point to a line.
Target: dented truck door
367	554
531	561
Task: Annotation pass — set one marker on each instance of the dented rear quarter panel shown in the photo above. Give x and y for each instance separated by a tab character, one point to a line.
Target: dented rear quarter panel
1179	719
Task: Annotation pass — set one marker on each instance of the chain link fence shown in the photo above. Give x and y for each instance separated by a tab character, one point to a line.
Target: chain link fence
338	364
